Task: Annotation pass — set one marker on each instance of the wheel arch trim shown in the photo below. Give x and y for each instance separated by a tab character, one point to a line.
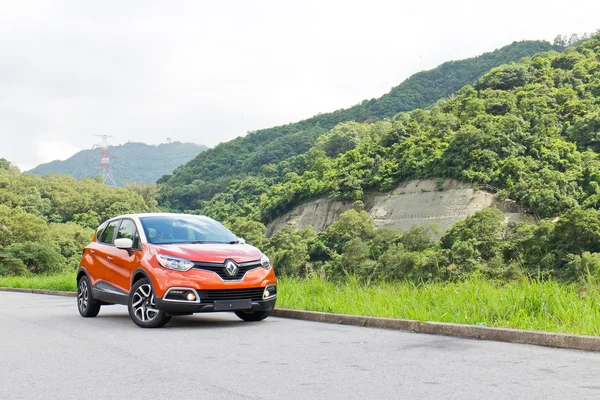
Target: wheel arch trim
135	276
82	272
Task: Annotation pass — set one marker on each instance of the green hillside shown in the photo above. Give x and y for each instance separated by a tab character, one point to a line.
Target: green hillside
529	128
262	152
133	162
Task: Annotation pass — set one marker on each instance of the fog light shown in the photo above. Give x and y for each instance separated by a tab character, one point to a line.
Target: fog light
191	297
269	292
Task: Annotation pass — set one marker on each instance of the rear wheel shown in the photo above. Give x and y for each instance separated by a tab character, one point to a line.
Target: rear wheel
142	308
87	306
253	315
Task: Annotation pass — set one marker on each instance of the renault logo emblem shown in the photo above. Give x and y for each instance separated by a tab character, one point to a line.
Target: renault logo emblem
231	268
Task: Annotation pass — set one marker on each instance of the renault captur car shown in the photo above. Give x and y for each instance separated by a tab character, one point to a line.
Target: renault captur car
164	264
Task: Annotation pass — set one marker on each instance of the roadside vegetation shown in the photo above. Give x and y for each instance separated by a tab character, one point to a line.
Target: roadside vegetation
523	304
64	282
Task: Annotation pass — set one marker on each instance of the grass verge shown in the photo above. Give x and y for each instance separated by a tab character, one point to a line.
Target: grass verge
532	305
544	306
63	282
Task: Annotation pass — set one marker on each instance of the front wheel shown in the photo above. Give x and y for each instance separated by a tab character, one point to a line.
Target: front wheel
252	315
142	308
87	306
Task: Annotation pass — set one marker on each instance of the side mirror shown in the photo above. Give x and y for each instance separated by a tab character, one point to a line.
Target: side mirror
123	243
242	240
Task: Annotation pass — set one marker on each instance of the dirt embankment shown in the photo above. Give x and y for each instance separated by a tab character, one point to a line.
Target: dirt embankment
431	203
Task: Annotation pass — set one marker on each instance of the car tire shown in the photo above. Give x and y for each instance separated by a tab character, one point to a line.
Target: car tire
87	306
141	306
252	316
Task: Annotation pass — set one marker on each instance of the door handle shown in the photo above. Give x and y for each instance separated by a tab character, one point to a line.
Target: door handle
92	251
109	257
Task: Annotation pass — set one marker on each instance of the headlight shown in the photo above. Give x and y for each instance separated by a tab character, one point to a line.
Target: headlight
177	264
264	261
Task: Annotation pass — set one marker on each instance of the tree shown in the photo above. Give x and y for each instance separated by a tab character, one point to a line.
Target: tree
18	226
577	231
560	40
39	258
484	230
147	191
252	231
289	252
505	77
4	164
351	225
10	265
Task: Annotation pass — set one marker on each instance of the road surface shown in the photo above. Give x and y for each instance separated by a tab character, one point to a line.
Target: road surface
47	351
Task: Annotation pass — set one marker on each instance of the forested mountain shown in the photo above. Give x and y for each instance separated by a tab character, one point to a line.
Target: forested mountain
133	162
276	151
530	128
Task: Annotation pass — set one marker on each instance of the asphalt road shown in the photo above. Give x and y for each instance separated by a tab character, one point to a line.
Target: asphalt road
47	351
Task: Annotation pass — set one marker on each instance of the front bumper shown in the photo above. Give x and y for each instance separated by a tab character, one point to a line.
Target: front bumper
185	308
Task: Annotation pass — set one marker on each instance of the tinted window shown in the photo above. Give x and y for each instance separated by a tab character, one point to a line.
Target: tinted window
185	229
108	233
127	230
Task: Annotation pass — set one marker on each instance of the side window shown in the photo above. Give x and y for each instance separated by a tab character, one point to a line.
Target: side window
128	230
107	235
100	229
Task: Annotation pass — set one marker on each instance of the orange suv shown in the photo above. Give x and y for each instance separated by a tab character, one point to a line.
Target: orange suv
163	264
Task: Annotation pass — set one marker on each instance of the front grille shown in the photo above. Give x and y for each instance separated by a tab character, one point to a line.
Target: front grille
207	296
219	269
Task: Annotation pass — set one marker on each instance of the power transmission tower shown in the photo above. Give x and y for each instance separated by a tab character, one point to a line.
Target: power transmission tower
105	167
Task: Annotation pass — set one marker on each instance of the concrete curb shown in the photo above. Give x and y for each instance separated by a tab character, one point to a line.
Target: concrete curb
549	339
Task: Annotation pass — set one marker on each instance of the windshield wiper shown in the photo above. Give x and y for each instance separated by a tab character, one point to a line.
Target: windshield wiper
212	241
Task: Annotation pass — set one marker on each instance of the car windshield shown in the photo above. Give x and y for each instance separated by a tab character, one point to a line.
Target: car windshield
185	229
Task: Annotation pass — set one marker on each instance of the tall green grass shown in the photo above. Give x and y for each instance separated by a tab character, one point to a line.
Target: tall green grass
63	282
526	304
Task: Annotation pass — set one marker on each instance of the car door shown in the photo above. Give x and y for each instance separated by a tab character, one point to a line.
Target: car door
122	262
99	253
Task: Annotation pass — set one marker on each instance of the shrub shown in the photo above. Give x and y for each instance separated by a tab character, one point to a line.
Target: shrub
585	267
9	265
289	252
39	258
400	264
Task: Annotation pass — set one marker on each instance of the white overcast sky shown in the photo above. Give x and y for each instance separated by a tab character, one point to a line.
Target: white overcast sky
207	72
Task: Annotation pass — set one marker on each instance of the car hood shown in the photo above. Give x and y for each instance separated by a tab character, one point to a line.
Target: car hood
210	252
